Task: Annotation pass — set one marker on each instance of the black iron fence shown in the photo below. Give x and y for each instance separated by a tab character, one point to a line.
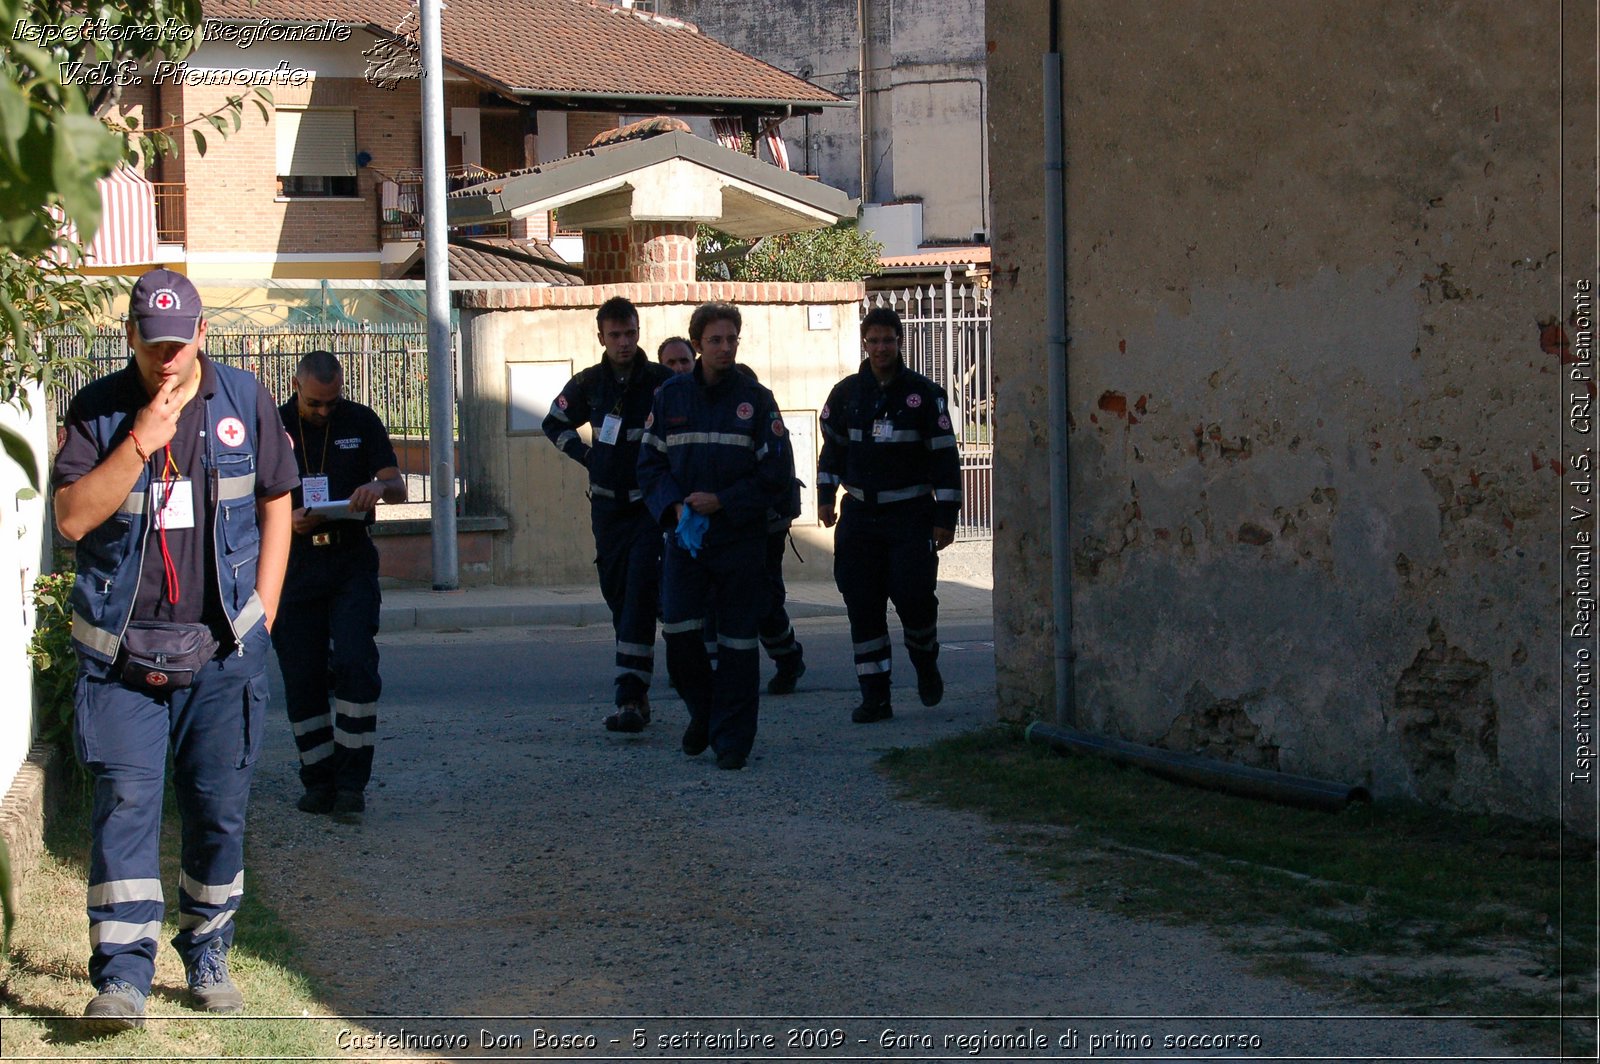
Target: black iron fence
385	367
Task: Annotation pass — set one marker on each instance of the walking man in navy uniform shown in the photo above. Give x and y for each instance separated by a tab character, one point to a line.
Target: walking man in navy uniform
326	634
715	460
173	480
887	440
613	397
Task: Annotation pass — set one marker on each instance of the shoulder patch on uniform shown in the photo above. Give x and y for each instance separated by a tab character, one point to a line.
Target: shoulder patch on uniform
650	419
777	425
561	401
944	422
914	400
824	411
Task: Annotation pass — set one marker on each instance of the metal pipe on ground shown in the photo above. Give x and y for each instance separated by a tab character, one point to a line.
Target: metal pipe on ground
1242	780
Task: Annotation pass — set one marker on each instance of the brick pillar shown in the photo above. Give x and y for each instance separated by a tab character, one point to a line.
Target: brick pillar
535	226
606	258
662	252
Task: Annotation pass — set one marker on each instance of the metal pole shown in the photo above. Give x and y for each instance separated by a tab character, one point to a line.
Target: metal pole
441	372
1055	270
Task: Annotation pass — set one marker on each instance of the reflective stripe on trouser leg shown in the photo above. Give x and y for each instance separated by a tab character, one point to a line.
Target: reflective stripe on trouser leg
301	635
122	739
628	558
685	597
737	603
777	634
353	613
216	735
860	569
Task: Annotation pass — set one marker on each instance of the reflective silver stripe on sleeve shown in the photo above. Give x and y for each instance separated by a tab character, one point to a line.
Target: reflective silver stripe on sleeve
634	434
559	414
855	435
236	487
601	493
84	631
211	893
939	443
118	933
133	504
649	439
566	437
833	434
761	452
678	627
827	478
118	891
635	494
947	495
737	644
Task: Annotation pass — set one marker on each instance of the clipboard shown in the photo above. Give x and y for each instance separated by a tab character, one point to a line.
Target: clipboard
334	511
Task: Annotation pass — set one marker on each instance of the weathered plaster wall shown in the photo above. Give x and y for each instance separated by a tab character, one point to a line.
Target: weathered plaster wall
1311	249
925	86
538	489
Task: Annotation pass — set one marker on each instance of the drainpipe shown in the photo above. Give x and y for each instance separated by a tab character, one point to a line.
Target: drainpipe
862	118
441	371
1055	280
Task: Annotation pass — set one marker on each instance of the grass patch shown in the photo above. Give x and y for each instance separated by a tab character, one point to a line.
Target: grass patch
1425	911
44	985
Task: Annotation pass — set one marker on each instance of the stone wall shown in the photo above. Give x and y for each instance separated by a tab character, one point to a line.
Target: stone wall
799	338
1314	273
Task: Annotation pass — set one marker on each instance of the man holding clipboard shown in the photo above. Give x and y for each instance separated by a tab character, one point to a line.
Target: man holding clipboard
329	615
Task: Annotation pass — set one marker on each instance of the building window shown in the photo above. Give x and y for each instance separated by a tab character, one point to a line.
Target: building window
316	153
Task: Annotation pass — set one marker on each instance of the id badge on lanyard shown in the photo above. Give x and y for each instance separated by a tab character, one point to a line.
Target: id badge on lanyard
173	502
882	430
314	489
610	429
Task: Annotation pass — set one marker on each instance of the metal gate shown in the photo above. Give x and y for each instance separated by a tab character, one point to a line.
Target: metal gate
947	340
385	367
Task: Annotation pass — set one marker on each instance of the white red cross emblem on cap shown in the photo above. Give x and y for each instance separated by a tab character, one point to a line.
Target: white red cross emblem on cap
166	299
230	430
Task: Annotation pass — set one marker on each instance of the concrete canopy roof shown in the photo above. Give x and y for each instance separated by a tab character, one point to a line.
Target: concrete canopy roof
577	54
674	177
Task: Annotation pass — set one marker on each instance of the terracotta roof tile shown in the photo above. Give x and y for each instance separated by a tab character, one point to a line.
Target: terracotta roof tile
498	259
568	47
950	256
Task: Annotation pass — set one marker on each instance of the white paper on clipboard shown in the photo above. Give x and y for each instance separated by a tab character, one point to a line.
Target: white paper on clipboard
334	511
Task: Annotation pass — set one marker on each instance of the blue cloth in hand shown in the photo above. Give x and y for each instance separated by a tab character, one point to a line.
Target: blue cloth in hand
691	530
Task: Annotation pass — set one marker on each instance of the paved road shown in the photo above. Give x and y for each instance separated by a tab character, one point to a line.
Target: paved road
519	863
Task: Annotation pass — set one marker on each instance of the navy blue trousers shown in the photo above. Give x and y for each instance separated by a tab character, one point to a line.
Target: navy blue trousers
884	554
627	547
724	583
325	636
213	729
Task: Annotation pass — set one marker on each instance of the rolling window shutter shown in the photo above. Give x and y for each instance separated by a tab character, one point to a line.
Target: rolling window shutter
316	143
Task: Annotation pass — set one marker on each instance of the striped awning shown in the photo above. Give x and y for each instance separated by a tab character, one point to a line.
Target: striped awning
127	234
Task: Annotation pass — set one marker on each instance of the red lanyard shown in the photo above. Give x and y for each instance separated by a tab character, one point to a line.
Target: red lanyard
169	480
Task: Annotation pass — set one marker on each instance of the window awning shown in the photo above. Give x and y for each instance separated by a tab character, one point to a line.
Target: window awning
127	234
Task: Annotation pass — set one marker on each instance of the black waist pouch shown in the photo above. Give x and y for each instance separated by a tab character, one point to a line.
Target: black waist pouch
163	657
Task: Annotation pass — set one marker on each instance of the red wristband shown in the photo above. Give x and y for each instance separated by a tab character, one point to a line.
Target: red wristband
138	448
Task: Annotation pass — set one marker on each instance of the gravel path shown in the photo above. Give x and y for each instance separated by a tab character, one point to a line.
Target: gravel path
520	863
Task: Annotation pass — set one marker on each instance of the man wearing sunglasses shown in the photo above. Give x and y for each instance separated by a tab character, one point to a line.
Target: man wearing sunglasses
329	615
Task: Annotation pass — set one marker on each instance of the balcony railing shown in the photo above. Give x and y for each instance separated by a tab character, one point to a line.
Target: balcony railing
171	224
400	203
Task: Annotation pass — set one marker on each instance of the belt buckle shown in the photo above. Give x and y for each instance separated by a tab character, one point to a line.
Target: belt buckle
321	539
